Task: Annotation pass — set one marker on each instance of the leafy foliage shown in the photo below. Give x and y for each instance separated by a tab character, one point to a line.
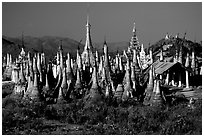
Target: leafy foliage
23	117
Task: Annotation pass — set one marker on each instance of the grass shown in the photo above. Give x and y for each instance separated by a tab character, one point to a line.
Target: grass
23	117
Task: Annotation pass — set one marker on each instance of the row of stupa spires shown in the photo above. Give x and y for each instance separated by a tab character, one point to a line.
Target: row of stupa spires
90	76
34	78
33	72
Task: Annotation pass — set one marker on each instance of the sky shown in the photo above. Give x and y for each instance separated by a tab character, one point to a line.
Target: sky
112	20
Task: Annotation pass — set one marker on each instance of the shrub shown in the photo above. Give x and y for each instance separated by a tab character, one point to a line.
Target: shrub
19	115
24	117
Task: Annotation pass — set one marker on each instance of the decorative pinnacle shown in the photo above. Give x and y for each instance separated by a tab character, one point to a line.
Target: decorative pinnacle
134	28
87	21
184	37
60	47
105	40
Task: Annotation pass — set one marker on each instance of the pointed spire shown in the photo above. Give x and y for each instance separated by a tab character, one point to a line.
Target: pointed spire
134	29
151	80
72	63
158	87
134	43
46	80
29	89
133	77
30	84
128	64
88	58
10	60
88	44
127	74
161	55
150	87
22	54
60	96
135	62
155	81
35	91
193	60
187	64
117	62
134	56
39	63
35	80
142	57
158	100
43	63
100	65
97	58
78	83
31	73
120	64
78	56
60	46
127	87
94	79
7	59
142	48
87	20
70	75
104	84
39	66
29	57
64	79
80	66
22	76
180	56
104	78
184	36
106	61
35	70
105	43
125	54
16	75
176	56
68	62
151	56
58	58
61	61
59	79
27	71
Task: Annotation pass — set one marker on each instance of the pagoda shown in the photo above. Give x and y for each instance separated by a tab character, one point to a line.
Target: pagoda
87	54
134	43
